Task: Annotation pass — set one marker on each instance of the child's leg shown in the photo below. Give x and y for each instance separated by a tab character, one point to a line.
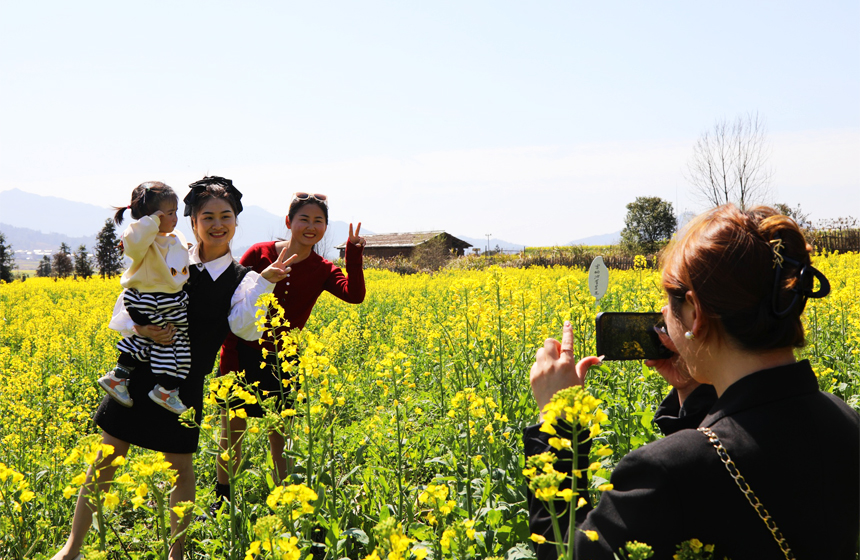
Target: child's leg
171	363
115	382
83	517
125	365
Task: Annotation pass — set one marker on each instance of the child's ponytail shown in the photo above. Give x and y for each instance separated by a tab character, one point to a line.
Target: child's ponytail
145	200
117	218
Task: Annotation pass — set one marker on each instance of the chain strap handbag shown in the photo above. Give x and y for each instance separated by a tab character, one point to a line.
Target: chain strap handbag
750	495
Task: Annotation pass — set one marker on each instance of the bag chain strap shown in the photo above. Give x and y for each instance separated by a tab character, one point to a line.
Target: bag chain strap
750	495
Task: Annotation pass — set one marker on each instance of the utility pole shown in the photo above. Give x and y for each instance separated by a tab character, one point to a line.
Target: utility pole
488	242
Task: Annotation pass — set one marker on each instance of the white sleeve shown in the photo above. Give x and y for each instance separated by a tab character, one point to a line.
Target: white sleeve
120	320
243	305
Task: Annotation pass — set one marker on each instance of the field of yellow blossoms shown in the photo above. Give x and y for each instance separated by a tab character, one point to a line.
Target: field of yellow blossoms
406	430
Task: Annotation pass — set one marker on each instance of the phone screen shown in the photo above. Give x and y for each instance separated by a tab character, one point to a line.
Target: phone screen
630	336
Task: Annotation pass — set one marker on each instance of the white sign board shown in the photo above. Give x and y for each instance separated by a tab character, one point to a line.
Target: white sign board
598	278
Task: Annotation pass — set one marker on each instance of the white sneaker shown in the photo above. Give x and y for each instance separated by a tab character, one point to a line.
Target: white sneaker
167	399
116	387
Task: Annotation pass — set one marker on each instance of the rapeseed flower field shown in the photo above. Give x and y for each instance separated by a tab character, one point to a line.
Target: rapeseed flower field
405	430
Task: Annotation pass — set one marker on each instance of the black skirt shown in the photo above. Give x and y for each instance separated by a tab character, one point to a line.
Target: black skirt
150	426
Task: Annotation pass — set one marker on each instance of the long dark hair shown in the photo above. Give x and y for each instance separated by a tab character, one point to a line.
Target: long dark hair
146	198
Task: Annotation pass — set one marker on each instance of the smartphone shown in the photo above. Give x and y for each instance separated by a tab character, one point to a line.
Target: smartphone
630	336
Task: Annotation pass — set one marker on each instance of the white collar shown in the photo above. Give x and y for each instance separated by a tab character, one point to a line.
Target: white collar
215	267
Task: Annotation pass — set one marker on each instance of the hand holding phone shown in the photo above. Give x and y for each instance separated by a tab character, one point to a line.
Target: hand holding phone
630	336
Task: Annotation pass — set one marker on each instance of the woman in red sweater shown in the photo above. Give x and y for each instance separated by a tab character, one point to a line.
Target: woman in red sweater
307	221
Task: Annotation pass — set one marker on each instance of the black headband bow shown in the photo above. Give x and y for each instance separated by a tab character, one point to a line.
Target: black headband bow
200	186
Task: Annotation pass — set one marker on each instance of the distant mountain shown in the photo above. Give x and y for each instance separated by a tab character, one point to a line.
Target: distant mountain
49	214
605	239
32	245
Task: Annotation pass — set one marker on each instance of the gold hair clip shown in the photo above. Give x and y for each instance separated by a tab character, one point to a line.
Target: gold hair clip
778	259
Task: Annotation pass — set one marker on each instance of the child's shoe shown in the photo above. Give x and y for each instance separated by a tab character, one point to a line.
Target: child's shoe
169	399
116	387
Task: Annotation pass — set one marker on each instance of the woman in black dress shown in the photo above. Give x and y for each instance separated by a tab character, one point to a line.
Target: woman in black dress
736	284
222	298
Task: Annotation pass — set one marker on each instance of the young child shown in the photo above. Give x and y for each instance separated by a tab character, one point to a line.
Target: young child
153	296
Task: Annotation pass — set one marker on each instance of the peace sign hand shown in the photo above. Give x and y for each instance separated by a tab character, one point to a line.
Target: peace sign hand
356	239
280	269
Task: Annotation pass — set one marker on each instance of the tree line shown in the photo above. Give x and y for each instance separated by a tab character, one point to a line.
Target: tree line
106	259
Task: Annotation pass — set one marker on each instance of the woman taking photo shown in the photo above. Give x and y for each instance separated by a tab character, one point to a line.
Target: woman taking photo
307	220
736	284
222	298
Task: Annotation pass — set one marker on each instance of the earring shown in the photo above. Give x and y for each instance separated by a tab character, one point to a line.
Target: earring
689	335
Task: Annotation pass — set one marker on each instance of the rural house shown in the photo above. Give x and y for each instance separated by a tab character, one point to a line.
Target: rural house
389	245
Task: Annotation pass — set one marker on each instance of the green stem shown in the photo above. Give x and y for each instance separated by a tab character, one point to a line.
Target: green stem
556	530
160	522
469	467
309	469
399	448
99	509
571	521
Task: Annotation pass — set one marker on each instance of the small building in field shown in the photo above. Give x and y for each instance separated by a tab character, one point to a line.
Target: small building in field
390	245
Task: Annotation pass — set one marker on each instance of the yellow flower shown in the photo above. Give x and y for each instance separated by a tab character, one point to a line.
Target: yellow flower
592	535
547	493
540	539
560	443
111	500
605	487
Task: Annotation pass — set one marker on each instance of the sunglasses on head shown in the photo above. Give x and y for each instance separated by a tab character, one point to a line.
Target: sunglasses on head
308	196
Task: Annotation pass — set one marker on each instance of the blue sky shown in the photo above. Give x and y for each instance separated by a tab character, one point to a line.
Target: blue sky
537	122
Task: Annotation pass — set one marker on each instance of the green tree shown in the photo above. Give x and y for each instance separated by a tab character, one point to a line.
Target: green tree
62	262
650	221
44	269
108	253
83	263
7	260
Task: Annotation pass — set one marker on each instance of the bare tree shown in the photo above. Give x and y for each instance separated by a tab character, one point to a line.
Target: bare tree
730	163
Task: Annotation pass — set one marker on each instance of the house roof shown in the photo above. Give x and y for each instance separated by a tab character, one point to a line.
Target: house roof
409	239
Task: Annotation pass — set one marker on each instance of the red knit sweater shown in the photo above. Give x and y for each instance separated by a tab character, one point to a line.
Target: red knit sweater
307	281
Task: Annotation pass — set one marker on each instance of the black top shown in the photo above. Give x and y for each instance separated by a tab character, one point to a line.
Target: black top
148	425
797	447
